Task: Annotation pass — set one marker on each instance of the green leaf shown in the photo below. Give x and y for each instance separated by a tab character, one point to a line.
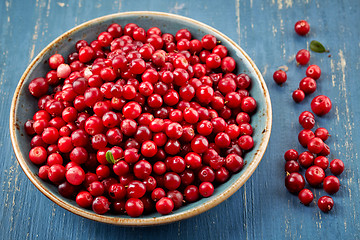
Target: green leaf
316	46
110	157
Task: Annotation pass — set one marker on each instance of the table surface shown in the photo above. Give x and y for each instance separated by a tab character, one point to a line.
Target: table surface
262	208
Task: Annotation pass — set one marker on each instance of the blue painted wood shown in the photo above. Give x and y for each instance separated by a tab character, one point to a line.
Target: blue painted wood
262	208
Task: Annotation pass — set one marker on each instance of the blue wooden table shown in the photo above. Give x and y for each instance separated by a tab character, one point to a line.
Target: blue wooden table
262	208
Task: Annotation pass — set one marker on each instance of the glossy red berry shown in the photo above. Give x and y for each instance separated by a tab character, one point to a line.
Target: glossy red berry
291	154
302	27
303	57
294	182
314	175
321	105
298	95
306	196
331	184
336	166
313	71
280	76
325	203
164	206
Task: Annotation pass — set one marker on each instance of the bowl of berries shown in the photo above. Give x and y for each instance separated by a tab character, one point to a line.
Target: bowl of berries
140	118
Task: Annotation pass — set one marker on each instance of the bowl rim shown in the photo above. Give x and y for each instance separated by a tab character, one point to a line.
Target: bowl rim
118	220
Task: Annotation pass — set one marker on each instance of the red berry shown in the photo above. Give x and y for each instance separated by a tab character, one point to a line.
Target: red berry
336	166
280	76
291	154
164	206
313	71
321	105
306	196
331	184
314	175
298	95
294	182
302	27
325	203
306	159
303	57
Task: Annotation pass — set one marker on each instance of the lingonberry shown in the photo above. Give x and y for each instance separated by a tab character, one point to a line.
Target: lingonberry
38	155
84	199
248	104
314	175
294	182
302	27
306	159
142	169
75	175
325	203
164	206
38	87
101	205
206	189
308	122
298	95
191	193
148	149
322	133
56	173
322	162
303	57
291	154
306	196
315	145
292	166
157	194
313	71
134	207
305	136
331	184
321	105
279	76
336	166
234	162
199	144
325	151
136	189
246	142
307	85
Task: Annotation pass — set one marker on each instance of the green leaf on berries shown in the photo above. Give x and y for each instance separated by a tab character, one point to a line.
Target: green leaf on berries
316	46
110	157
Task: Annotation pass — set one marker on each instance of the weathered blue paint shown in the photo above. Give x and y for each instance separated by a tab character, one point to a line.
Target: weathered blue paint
262	208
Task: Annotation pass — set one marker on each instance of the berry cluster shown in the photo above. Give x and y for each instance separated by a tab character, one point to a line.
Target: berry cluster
315	162
138	121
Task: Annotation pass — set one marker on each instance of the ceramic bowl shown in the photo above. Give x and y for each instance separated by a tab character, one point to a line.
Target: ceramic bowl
24	106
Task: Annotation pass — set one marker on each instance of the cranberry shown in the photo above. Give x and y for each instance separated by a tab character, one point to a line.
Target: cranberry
336	166
206	189
322	162
176	197
38	155
191	193
246	142
136	189
291	154
307	85
298	95
164	206
322	133
306	159
306	196
302	27
172	180
294	182
305	136
331	184
134	207
321	105
313	71
234	162
84	199
38	87
325	203
315	175
248	104
101	205
303	57
308	122
292	166
315	145
280	76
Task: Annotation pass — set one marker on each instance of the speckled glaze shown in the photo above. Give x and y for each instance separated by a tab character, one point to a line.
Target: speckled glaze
24	106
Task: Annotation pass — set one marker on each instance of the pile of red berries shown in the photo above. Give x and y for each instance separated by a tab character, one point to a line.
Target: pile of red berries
138	121
315	162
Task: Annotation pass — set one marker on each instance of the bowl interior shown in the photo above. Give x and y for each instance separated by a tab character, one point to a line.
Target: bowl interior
25	106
